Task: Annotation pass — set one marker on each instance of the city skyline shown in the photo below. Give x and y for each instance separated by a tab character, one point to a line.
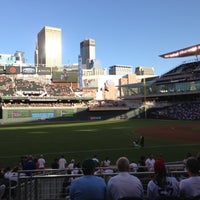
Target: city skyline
128	32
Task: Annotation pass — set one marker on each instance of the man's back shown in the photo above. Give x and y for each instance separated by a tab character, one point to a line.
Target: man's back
41	162
124	185
88	187
62	163
190	186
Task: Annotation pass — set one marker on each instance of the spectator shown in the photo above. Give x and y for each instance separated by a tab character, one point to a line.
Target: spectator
161	158
54	164
88	186
71	165
41	162
29	165
96	160
105	167
161	185
141	164
77	168
36	163
2	190
7	173
106	162
149	163
141	141
198	156
66	187
62	162
9	181
133	166
187	156
124	185
190	187
13	175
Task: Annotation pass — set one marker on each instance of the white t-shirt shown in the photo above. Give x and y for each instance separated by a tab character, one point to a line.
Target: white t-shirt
150	163
133	167
41	162
62	163
71	166
124	185
171	189
106	163
190	187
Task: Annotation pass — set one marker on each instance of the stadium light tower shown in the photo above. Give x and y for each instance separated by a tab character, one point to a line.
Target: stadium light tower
145	94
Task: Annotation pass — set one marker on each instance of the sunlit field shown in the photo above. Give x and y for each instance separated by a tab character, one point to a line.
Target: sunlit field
80	140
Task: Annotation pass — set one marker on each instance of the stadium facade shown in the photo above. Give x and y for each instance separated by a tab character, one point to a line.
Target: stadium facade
46	91
173	95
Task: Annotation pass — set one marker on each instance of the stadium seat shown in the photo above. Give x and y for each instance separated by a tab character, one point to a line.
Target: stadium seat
130	198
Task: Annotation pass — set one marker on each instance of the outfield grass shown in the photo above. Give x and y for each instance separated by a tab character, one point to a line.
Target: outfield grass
80	140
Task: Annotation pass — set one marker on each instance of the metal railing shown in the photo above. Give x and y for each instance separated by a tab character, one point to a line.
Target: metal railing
49	184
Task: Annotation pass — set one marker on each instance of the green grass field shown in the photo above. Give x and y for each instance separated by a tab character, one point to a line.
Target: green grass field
80	140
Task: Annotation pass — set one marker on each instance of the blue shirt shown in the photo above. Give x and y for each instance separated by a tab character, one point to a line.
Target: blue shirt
89	187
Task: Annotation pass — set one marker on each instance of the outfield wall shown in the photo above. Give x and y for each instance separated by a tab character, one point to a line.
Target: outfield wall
27	114
15	115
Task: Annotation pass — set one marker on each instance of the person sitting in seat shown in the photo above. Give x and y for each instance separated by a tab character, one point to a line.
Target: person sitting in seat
162	186
88	186
190	187
124	185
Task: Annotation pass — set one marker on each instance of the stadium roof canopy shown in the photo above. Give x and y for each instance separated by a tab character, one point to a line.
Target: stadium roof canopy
189	51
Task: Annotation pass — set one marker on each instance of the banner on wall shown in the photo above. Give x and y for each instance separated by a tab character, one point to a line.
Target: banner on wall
80	71
67	113
18	114
42	115
28	70
12	70
44	70
39	113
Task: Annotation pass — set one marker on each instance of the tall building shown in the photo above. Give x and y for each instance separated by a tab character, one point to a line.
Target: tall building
17	59
48	51
144	71
120	70
87	51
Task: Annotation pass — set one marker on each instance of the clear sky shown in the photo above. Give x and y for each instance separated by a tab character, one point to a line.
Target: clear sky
127	32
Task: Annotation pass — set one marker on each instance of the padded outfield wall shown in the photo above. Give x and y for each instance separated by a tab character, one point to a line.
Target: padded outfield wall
16	115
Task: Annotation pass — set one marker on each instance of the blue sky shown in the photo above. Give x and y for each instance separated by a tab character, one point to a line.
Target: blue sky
127	32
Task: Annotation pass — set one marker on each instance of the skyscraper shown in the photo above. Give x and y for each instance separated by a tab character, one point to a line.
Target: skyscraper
48	51
87	48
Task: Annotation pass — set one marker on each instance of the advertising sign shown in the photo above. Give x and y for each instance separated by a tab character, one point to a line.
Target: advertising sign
67	113
44	70
80	71
18	114
42	115
12	70
28	70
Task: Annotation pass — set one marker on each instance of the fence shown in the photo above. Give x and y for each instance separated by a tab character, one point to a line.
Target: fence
48	184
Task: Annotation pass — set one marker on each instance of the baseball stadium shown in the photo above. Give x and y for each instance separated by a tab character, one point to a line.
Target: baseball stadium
41	115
